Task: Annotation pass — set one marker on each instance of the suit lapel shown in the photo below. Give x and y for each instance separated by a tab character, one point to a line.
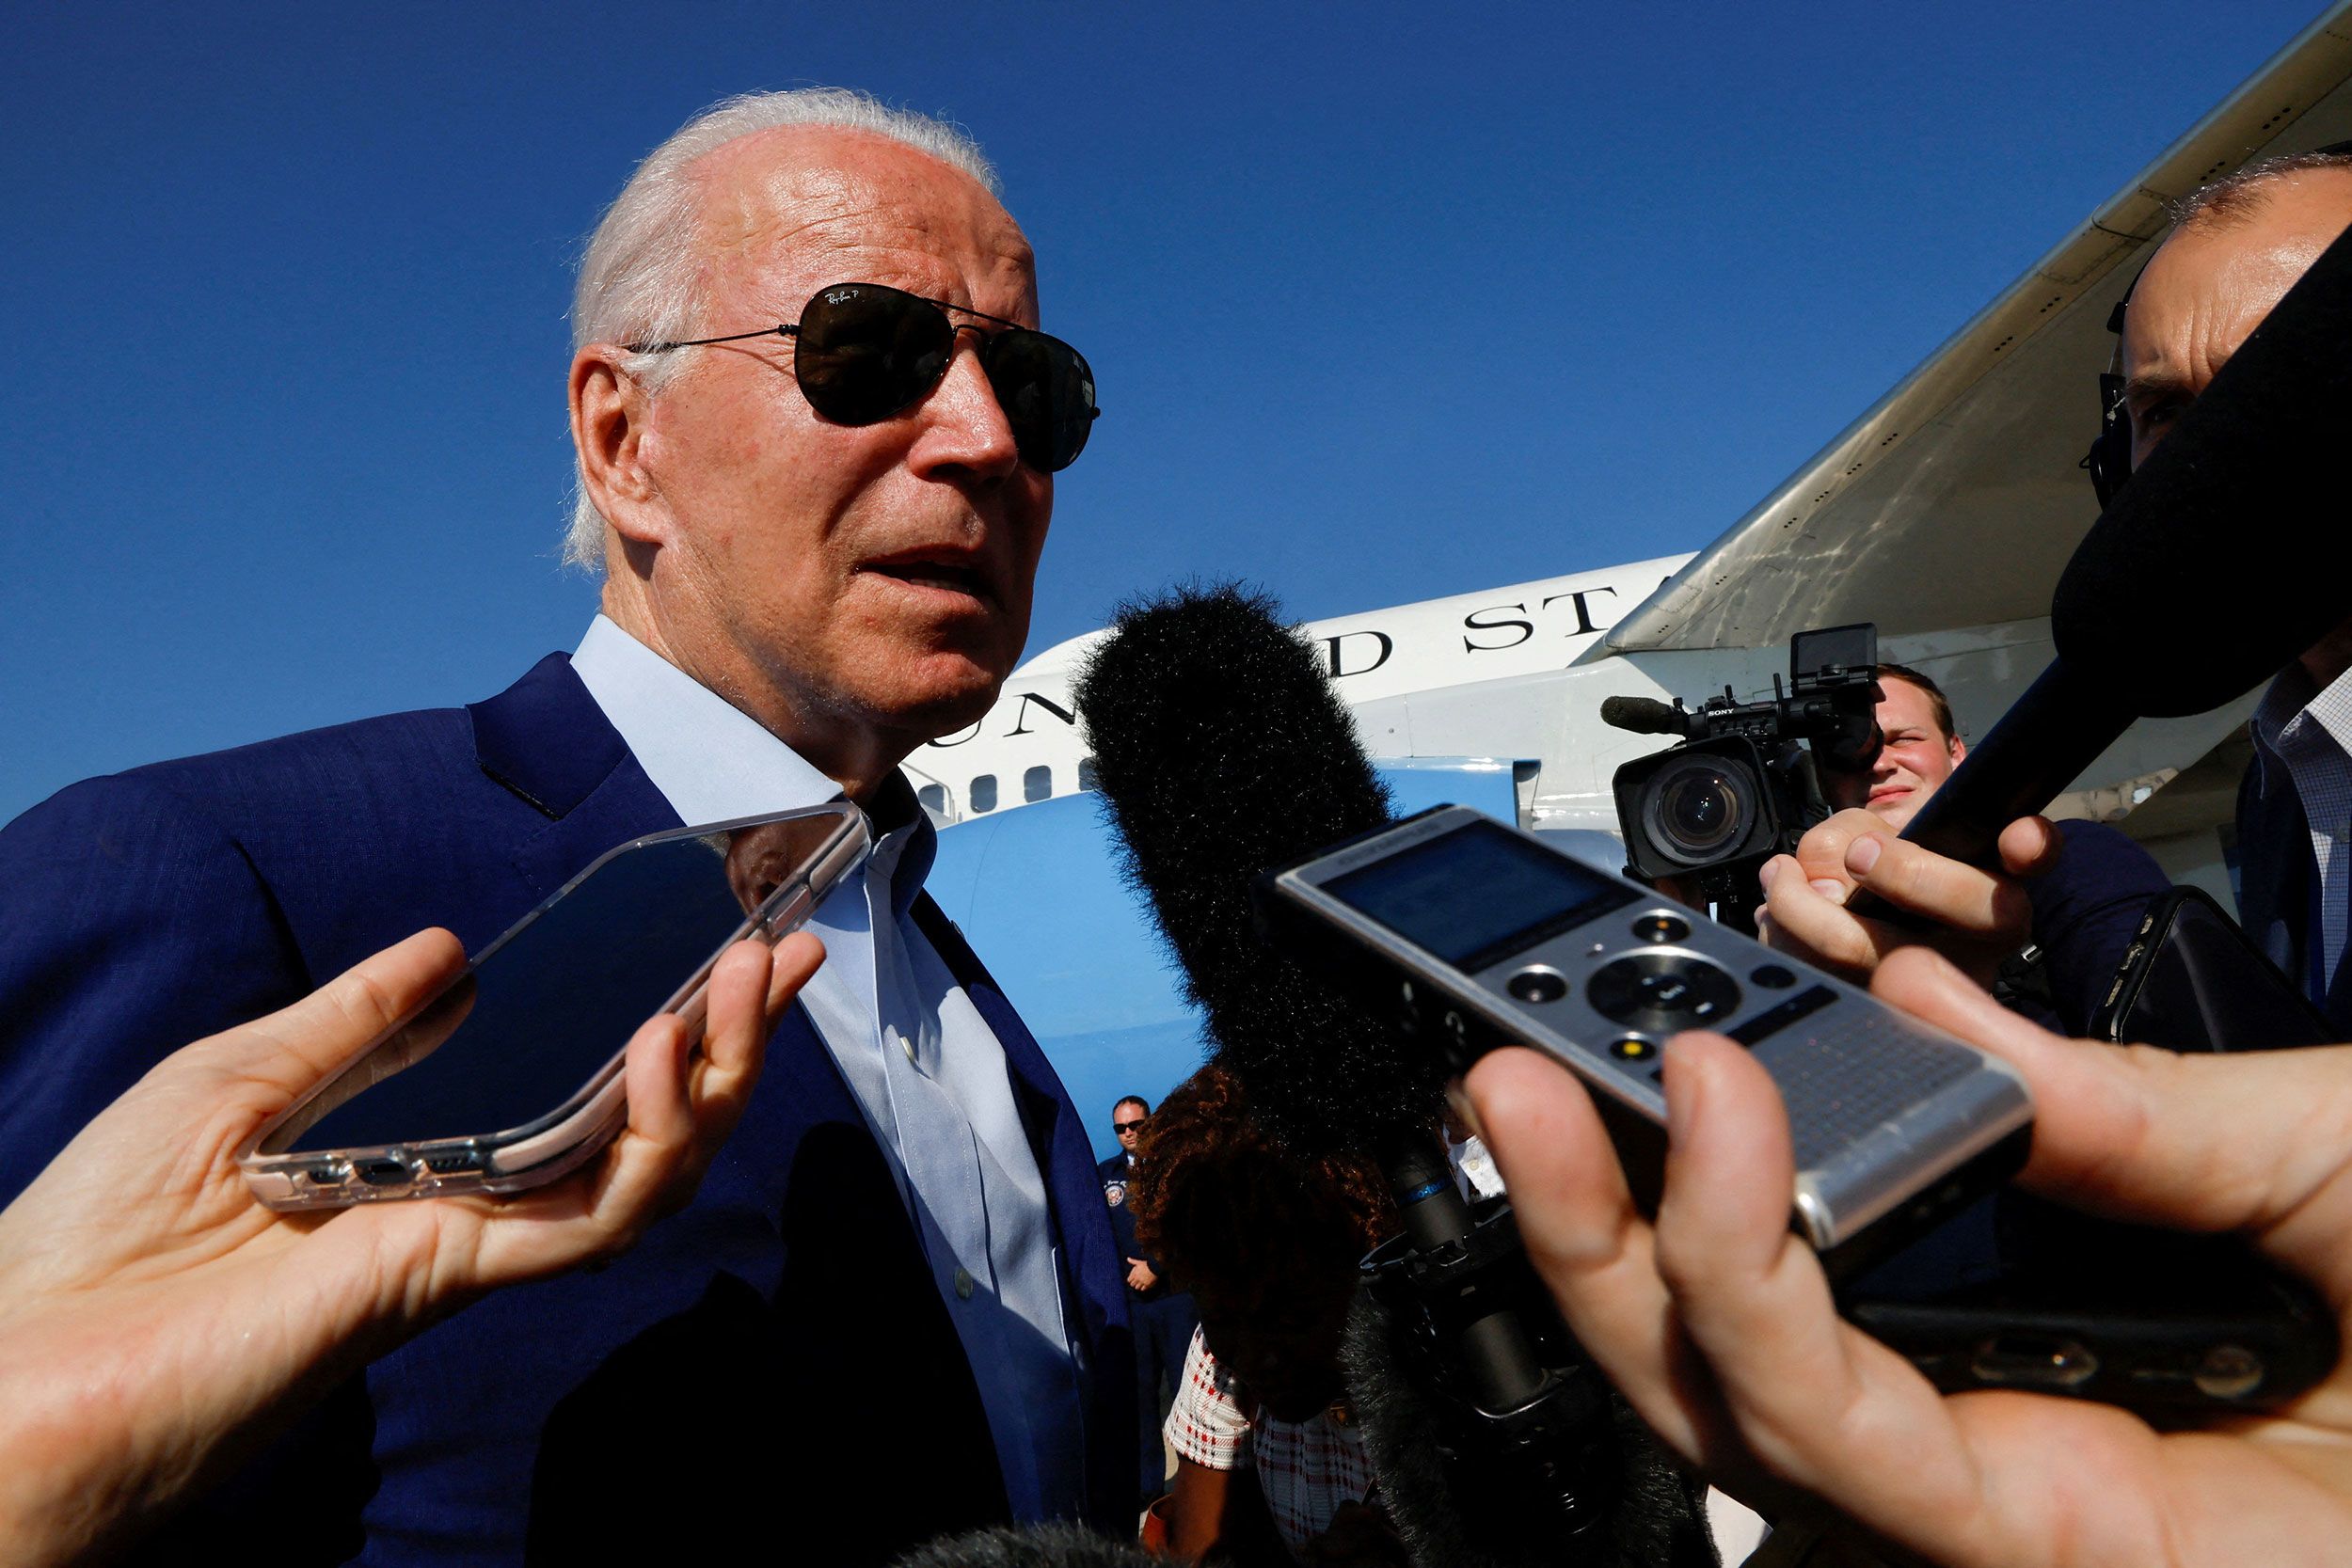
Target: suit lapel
546	740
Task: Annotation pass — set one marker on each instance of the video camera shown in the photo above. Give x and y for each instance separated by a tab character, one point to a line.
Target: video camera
1743	786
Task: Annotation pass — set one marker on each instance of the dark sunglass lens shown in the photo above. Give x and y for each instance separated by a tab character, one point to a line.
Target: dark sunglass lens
866	351
1048	396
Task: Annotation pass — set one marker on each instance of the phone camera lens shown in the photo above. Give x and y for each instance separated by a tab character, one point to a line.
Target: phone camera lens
2228	1372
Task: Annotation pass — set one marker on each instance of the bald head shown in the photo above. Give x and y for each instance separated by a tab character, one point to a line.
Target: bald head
840	198
2238	247
2235	254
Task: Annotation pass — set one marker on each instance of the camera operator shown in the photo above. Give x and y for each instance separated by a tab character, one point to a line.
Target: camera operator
2239	246
2081	907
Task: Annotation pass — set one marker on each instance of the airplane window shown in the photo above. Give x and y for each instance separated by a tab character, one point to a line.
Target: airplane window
1037	784
1086	774
984	792
935	799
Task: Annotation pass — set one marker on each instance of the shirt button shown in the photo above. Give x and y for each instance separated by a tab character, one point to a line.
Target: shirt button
963	1284
906	1043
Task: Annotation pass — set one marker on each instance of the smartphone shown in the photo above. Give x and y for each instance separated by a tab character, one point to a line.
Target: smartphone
510	1077
2021	1293
1471	934
2192	980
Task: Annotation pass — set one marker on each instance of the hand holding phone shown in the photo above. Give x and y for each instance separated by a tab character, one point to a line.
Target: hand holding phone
510	1076
138	1263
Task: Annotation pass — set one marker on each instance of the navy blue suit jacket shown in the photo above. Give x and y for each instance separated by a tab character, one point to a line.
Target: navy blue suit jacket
755	1367
2276	894
2085	911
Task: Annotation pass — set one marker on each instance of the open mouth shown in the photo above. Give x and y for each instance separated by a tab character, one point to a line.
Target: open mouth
938	576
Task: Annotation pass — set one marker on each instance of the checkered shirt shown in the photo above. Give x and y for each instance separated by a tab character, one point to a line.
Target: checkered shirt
2304	734
1306	1469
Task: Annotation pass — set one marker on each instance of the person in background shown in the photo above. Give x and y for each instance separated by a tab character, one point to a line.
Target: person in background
1162	1315
1270	1463
2238	247
2074	918
156	1321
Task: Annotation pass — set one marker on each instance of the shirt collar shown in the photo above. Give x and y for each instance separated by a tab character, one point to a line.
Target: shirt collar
715	763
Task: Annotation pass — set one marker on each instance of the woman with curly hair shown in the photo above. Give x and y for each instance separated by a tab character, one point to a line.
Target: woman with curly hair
1270	1464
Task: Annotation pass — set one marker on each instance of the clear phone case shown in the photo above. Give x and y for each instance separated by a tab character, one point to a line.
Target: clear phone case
510	1077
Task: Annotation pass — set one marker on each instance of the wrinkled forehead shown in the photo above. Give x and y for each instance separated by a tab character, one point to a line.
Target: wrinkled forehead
787	212
2215	281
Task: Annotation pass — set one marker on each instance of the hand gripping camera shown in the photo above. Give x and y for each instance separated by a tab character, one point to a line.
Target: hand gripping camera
1742	787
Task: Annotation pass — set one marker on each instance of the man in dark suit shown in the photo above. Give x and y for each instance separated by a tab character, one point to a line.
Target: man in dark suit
1162	1316
2235	250
2238	247
897	1281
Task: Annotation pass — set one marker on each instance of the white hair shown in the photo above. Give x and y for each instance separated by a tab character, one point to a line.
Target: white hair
2234	198
638	279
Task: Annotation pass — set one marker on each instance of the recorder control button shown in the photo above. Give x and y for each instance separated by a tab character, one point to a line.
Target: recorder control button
1537	985
1774	977
1660	992
1660	929
1633	1049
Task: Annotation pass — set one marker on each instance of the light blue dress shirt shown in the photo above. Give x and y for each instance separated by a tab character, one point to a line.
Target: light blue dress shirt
922	1063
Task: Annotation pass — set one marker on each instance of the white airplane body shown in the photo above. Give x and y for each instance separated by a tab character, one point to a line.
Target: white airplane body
1944	515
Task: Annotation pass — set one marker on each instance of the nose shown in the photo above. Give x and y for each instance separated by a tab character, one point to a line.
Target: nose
965	432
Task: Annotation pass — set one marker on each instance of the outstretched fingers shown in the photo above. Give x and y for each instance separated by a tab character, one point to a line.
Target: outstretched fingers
1816	1404
1963	897
2255	1141
1588	1242
297	1045
745	1005
684	1102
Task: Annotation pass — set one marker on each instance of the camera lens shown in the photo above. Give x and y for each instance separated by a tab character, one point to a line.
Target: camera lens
1695	811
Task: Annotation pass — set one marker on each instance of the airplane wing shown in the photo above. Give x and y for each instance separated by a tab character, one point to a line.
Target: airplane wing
1945	514
1956	500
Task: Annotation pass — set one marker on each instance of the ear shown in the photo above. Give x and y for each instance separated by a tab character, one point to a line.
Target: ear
1960	751
610	413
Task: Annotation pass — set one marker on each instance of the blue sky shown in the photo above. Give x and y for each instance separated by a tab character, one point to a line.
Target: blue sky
1385	301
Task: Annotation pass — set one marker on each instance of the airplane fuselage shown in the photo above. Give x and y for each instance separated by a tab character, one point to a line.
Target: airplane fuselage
1029	746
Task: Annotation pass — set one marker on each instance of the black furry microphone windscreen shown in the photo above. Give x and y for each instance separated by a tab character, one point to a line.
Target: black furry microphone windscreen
2228	552
1222	752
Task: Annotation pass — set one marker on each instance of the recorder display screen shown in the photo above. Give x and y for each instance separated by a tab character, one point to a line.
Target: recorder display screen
1477	890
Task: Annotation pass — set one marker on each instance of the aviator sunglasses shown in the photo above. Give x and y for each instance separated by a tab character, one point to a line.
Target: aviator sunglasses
863	351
